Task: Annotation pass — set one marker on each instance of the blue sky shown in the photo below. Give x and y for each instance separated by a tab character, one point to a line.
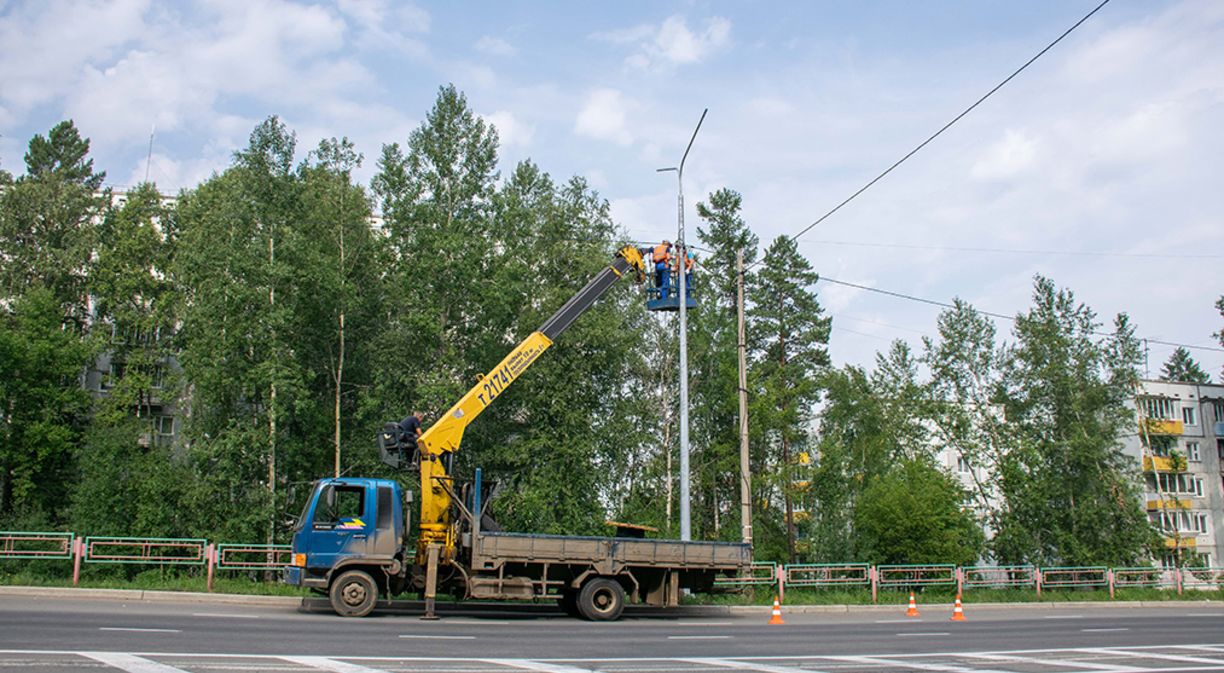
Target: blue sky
1109	144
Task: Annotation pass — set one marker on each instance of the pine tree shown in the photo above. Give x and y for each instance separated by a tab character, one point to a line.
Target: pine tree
1182	367
790	335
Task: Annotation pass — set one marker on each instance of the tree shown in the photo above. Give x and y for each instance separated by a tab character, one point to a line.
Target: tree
1182	367
47	218
240	265
345	278
42	408
967	369
912	514
1220	335
127	466
1071	495
713	366
791	335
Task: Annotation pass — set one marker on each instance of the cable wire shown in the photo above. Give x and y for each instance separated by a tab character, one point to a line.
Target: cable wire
938	133
944	304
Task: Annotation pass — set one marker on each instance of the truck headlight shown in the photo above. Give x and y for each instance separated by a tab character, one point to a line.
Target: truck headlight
299	560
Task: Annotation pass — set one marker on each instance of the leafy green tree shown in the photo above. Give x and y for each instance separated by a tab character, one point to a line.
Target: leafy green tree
42	409
912	514
790	334
1220	335
967	368
239	262
342	276
47	218
1182	367
1072	496
125	485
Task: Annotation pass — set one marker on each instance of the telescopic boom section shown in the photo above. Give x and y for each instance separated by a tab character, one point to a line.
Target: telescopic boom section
446	434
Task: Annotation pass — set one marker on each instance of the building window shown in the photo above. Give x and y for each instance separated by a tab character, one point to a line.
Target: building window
1188	416
1218	406
1159	408
1183	522
1192	452
1220	448
962	465
1180	484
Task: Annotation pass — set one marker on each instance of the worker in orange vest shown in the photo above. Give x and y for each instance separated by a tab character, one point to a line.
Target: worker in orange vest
688	272
662	260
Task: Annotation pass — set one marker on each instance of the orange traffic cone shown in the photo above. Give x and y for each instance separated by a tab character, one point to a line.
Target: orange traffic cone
777	613
958	613
913	607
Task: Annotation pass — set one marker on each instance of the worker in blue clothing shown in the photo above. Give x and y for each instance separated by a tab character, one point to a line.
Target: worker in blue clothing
661	256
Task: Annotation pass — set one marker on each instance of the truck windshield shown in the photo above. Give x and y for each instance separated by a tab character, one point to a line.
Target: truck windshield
301	520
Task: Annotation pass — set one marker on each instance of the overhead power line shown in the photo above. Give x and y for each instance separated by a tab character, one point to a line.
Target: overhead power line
944	304
1021	251
945	127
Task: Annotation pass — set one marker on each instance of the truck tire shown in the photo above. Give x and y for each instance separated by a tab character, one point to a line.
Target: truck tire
353	594
601	600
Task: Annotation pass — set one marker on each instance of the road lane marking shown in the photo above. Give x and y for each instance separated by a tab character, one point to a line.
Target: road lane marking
224	615
909	663
130	662
924	633
698	637
740	664
437	636
132	628
326	664
1103	630
1069	663
1209	648
530	665
1153	655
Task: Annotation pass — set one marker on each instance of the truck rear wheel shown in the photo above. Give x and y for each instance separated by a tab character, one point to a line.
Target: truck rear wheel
601	600
353	594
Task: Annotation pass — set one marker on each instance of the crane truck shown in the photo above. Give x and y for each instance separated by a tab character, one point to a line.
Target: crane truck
353	540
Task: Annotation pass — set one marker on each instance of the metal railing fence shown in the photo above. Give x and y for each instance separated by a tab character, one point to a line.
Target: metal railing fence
263	558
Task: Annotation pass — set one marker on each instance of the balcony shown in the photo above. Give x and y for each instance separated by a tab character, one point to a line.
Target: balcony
1185	542
1162	426
1218	428
1168	503
1162	464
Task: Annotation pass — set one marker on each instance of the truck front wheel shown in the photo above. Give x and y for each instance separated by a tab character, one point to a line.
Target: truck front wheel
353	594
601	600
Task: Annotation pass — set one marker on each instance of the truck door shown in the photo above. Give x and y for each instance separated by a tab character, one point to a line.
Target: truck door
343	519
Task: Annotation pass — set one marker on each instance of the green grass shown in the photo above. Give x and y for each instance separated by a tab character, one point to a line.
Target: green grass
168	578
762	595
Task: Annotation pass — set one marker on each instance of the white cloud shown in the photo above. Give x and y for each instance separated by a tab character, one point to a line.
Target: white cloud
495	46
1012	154
670	43
511	131
603	116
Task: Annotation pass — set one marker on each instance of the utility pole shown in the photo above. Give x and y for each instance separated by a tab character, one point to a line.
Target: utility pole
745	475
686	530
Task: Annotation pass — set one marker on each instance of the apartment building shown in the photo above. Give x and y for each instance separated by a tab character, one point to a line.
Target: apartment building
1179	446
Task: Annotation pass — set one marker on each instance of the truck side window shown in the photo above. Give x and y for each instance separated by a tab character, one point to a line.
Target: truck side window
339	504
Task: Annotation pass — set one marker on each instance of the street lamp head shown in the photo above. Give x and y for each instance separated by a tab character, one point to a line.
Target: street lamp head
664	170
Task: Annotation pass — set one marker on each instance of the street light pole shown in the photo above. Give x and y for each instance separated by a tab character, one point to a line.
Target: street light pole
686	529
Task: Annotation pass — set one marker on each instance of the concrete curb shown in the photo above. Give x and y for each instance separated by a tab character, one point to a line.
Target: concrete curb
149	596
899	609
316	603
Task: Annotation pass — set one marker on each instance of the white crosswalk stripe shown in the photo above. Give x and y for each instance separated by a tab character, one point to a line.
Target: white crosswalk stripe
130	662
323	663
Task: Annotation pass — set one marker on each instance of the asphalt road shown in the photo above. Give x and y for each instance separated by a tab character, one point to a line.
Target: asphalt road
64	634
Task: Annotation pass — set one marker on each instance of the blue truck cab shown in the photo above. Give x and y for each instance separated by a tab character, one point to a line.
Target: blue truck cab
355	527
